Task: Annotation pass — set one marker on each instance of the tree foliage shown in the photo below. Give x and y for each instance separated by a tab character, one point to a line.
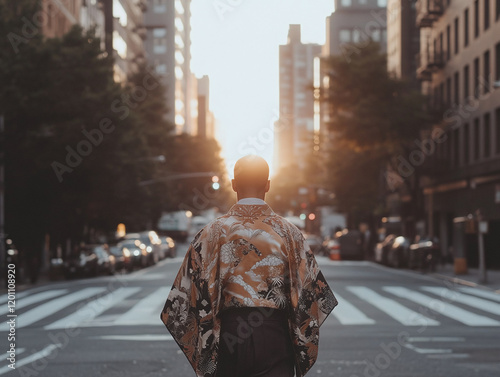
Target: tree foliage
374	118
78	144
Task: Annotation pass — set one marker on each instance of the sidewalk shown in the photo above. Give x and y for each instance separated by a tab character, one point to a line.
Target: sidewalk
472	278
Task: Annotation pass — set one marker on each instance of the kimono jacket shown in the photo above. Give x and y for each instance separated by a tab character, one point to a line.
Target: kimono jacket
245	250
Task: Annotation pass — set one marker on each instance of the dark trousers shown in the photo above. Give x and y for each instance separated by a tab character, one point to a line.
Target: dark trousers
255	342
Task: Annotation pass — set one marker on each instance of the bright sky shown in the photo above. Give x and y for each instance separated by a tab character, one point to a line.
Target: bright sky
237	46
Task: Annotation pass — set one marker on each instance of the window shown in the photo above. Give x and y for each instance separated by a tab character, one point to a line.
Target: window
486	73
159	40
448	91
441	94
487	135
497	62
456	146
376	35
477	139
466	144
486	14
441	47
345	3
466	27
456	35
356	36
497	129
476	18
476	77
159	6
466	82
161	69
345	35
448	43
382	3
456	88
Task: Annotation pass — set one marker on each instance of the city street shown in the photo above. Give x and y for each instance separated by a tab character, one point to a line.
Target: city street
387	323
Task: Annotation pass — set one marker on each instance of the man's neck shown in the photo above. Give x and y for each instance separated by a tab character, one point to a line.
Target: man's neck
251	201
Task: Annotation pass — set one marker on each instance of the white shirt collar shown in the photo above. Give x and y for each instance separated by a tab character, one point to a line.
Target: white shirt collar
251	201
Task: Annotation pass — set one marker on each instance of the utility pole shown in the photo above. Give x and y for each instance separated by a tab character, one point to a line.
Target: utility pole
2	205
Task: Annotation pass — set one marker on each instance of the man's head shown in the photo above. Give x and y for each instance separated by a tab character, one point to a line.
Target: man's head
251	177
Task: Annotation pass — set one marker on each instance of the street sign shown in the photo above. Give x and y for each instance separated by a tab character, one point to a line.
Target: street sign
483	227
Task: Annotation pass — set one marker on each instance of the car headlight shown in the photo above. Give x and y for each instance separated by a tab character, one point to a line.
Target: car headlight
149	249
137	252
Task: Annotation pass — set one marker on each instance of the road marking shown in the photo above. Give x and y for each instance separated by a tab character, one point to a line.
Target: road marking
51	307
428	350
481	293
436	339
38	355
394	309
478	303
87	313
450	356
442	307
146	311
37	297
139	338
348	314
5	298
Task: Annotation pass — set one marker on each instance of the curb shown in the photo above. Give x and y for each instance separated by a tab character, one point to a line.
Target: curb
465	282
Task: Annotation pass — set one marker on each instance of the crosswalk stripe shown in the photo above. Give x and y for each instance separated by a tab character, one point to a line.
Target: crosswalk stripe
51	307
442	307
465	299
394	309
91	310
23	302
29	359
146	311
348	314
5	298
481	293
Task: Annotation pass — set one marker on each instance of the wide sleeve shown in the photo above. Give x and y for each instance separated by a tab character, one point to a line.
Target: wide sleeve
312	301
187	313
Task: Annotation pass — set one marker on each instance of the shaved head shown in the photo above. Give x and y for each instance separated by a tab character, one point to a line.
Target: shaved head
251	175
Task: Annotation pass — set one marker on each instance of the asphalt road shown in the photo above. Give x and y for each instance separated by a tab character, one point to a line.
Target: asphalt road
387	323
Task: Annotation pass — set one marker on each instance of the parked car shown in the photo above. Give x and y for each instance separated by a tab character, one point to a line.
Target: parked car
152	242
351	245
136	251
424	253
122	262
382	249
106	261
314	241
331	248
399	252
167	247
82	262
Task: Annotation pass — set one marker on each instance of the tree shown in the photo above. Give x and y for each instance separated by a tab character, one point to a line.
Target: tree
374	119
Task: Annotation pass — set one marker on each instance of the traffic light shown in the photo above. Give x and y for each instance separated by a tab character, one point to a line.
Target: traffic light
215	182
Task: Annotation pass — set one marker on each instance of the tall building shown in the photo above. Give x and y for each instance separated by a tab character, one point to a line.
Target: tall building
119	23
125	35
459	67
205	119
294	131
403	39
60	16
354	21
168	49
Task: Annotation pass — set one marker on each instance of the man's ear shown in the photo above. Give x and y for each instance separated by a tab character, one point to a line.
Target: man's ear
233	185
268	186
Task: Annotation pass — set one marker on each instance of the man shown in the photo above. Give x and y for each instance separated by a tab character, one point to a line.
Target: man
249	297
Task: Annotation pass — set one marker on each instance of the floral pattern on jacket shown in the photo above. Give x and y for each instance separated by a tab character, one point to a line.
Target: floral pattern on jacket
248	257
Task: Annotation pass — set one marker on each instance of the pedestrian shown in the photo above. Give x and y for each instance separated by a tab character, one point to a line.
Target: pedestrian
249	298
